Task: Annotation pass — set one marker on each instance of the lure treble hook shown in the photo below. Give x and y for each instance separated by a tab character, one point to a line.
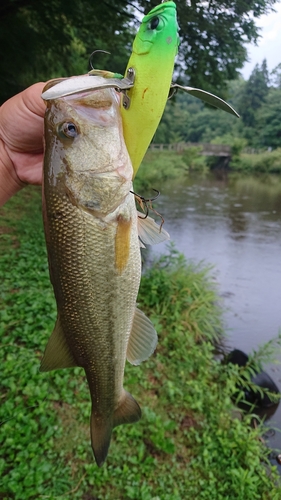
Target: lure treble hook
144	203
92	54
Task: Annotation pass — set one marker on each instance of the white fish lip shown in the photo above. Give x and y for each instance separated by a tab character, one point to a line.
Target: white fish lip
82	83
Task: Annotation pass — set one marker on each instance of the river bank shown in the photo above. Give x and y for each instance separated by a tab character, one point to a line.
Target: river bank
187	444
169	165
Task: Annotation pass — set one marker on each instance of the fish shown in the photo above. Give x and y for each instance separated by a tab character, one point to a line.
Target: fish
152	62
92	238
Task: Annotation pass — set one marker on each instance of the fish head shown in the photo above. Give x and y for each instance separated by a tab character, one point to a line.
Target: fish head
158	30
85	153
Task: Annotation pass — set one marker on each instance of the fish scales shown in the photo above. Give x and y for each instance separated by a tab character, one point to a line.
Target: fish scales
90	222
74	239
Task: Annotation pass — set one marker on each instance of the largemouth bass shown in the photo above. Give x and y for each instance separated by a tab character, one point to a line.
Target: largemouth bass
91	229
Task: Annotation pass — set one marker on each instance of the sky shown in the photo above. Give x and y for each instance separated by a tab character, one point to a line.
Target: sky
269	45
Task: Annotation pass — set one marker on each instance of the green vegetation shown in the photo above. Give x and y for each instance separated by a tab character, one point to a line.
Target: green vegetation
188	444
267	162
255	138
158	167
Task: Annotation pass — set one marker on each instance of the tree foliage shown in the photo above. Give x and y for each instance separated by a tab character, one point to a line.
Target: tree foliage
268	120
187	119
47	38
254	94
258	100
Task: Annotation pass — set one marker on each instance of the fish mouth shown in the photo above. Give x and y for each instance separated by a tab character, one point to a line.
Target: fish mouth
77	86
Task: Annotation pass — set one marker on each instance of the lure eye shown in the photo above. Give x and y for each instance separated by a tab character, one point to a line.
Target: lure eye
68	129
154	23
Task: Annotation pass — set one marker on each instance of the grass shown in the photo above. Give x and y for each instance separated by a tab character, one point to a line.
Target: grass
267	162
159	166
187	444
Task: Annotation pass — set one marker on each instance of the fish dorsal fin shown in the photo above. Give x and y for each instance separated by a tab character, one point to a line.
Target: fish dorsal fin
128	410
150	233
57	353
143	339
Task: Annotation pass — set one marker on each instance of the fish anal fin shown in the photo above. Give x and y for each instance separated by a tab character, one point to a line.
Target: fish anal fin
143	339
128	410
150	233
57	353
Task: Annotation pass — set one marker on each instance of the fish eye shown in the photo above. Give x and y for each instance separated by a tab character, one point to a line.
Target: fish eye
154	23
68	129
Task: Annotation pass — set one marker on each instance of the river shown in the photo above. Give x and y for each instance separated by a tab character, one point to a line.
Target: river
234	223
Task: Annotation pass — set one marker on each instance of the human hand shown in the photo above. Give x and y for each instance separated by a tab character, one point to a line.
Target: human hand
21	141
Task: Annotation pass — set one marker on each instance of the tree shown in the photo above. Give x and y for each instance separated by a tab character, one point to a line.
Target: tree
213	37
268	120
187	119
40	39
275	76
253	96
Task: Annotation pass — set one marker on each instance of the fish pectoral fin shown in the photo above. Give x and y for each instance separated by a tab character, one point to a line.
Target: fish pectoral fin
128	411
143	339
57	353
150	233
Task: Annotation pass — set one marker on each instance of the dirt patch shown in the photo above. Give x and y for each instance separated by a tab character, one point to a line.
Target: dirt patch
5	230
188	422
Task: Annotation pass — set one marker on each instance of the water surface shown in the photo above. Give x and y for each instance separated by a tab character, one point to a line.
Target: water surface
234	223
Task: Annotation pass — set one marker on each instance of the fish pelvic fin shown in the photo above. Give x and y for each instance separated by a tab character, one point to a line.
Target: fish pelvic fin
149	232
57	353
101	430
127	412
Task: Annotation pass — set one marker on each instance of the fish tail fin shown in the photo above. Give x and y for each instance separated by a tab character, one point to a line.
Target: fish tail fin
128	410
100	437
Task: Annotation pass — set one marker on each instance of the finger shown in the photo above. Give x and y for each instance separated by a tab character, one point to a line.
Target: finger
21	120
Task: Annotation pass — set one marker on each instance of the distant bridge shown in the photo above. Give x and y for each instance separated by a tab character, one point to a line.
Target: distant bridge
205	149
